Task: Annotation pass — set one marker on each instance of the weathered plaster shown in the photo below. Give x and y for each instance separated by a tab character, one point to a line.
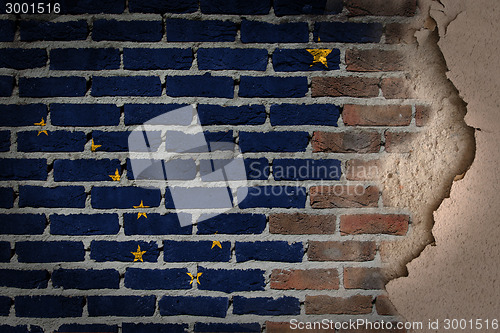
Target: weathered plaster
458	277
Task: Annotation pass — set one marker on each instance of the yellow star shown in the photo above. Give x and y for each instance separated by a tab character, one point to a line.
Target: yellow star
141	214
138	254
41	123
192	277
216	243
116	177
320	56
93	147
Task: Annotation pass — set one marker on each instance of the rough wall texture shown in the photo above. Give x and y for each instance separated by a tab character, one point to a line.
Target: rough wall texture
299	90
463	264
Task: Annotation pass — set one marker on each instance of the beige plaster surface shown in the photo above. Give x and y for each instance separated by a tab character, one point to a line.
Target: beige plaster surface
458	276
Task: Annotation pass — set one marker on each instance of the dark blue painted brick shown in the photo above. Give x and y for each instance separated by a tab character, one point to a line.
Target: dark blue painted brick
181	30
23	169
268	86
286	60
239	7
85	170
157	328
231	115
6	198
231	280
272	197
5	304
88	328
300	114
84	114
224	58
200	86
132	31
348	32
124	197
5	252
69	86
24	279
85	279
178	169
20	329
157	58
269	251
6	85
123	306
175	141
82	224
306	169
45	30
20	224
92	7
194	306
205	197
266	306
54	141
196	251
263	32
221	327
232	224
4	141
118	141
300	7
273	141
8	29
22	58
43	251
126	86
22	115
156	224
84	59
136	114
161	6
257	168
122	251
152	279
49	306
62	196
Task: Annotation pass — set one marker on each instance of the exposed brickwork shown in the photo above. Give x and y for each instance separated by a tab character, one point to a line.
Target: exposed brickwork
313	102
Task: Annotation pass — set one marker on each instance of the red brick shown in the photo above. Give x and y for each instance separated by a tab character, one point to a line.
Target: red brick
346	142
376	115
345	86
422	115
396	88
374	60
400	142
363	170
301	224
384	306
381	7
317	279
341	251
398	33
363	278
323	304
374	224
344	196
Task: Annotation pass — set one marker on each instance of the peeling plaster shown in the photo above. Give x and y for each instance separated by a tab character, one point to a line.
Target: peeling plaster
458	276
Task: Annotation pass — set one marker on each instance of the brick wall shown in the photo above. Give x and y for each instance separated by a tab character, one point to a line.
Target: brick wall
301	244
